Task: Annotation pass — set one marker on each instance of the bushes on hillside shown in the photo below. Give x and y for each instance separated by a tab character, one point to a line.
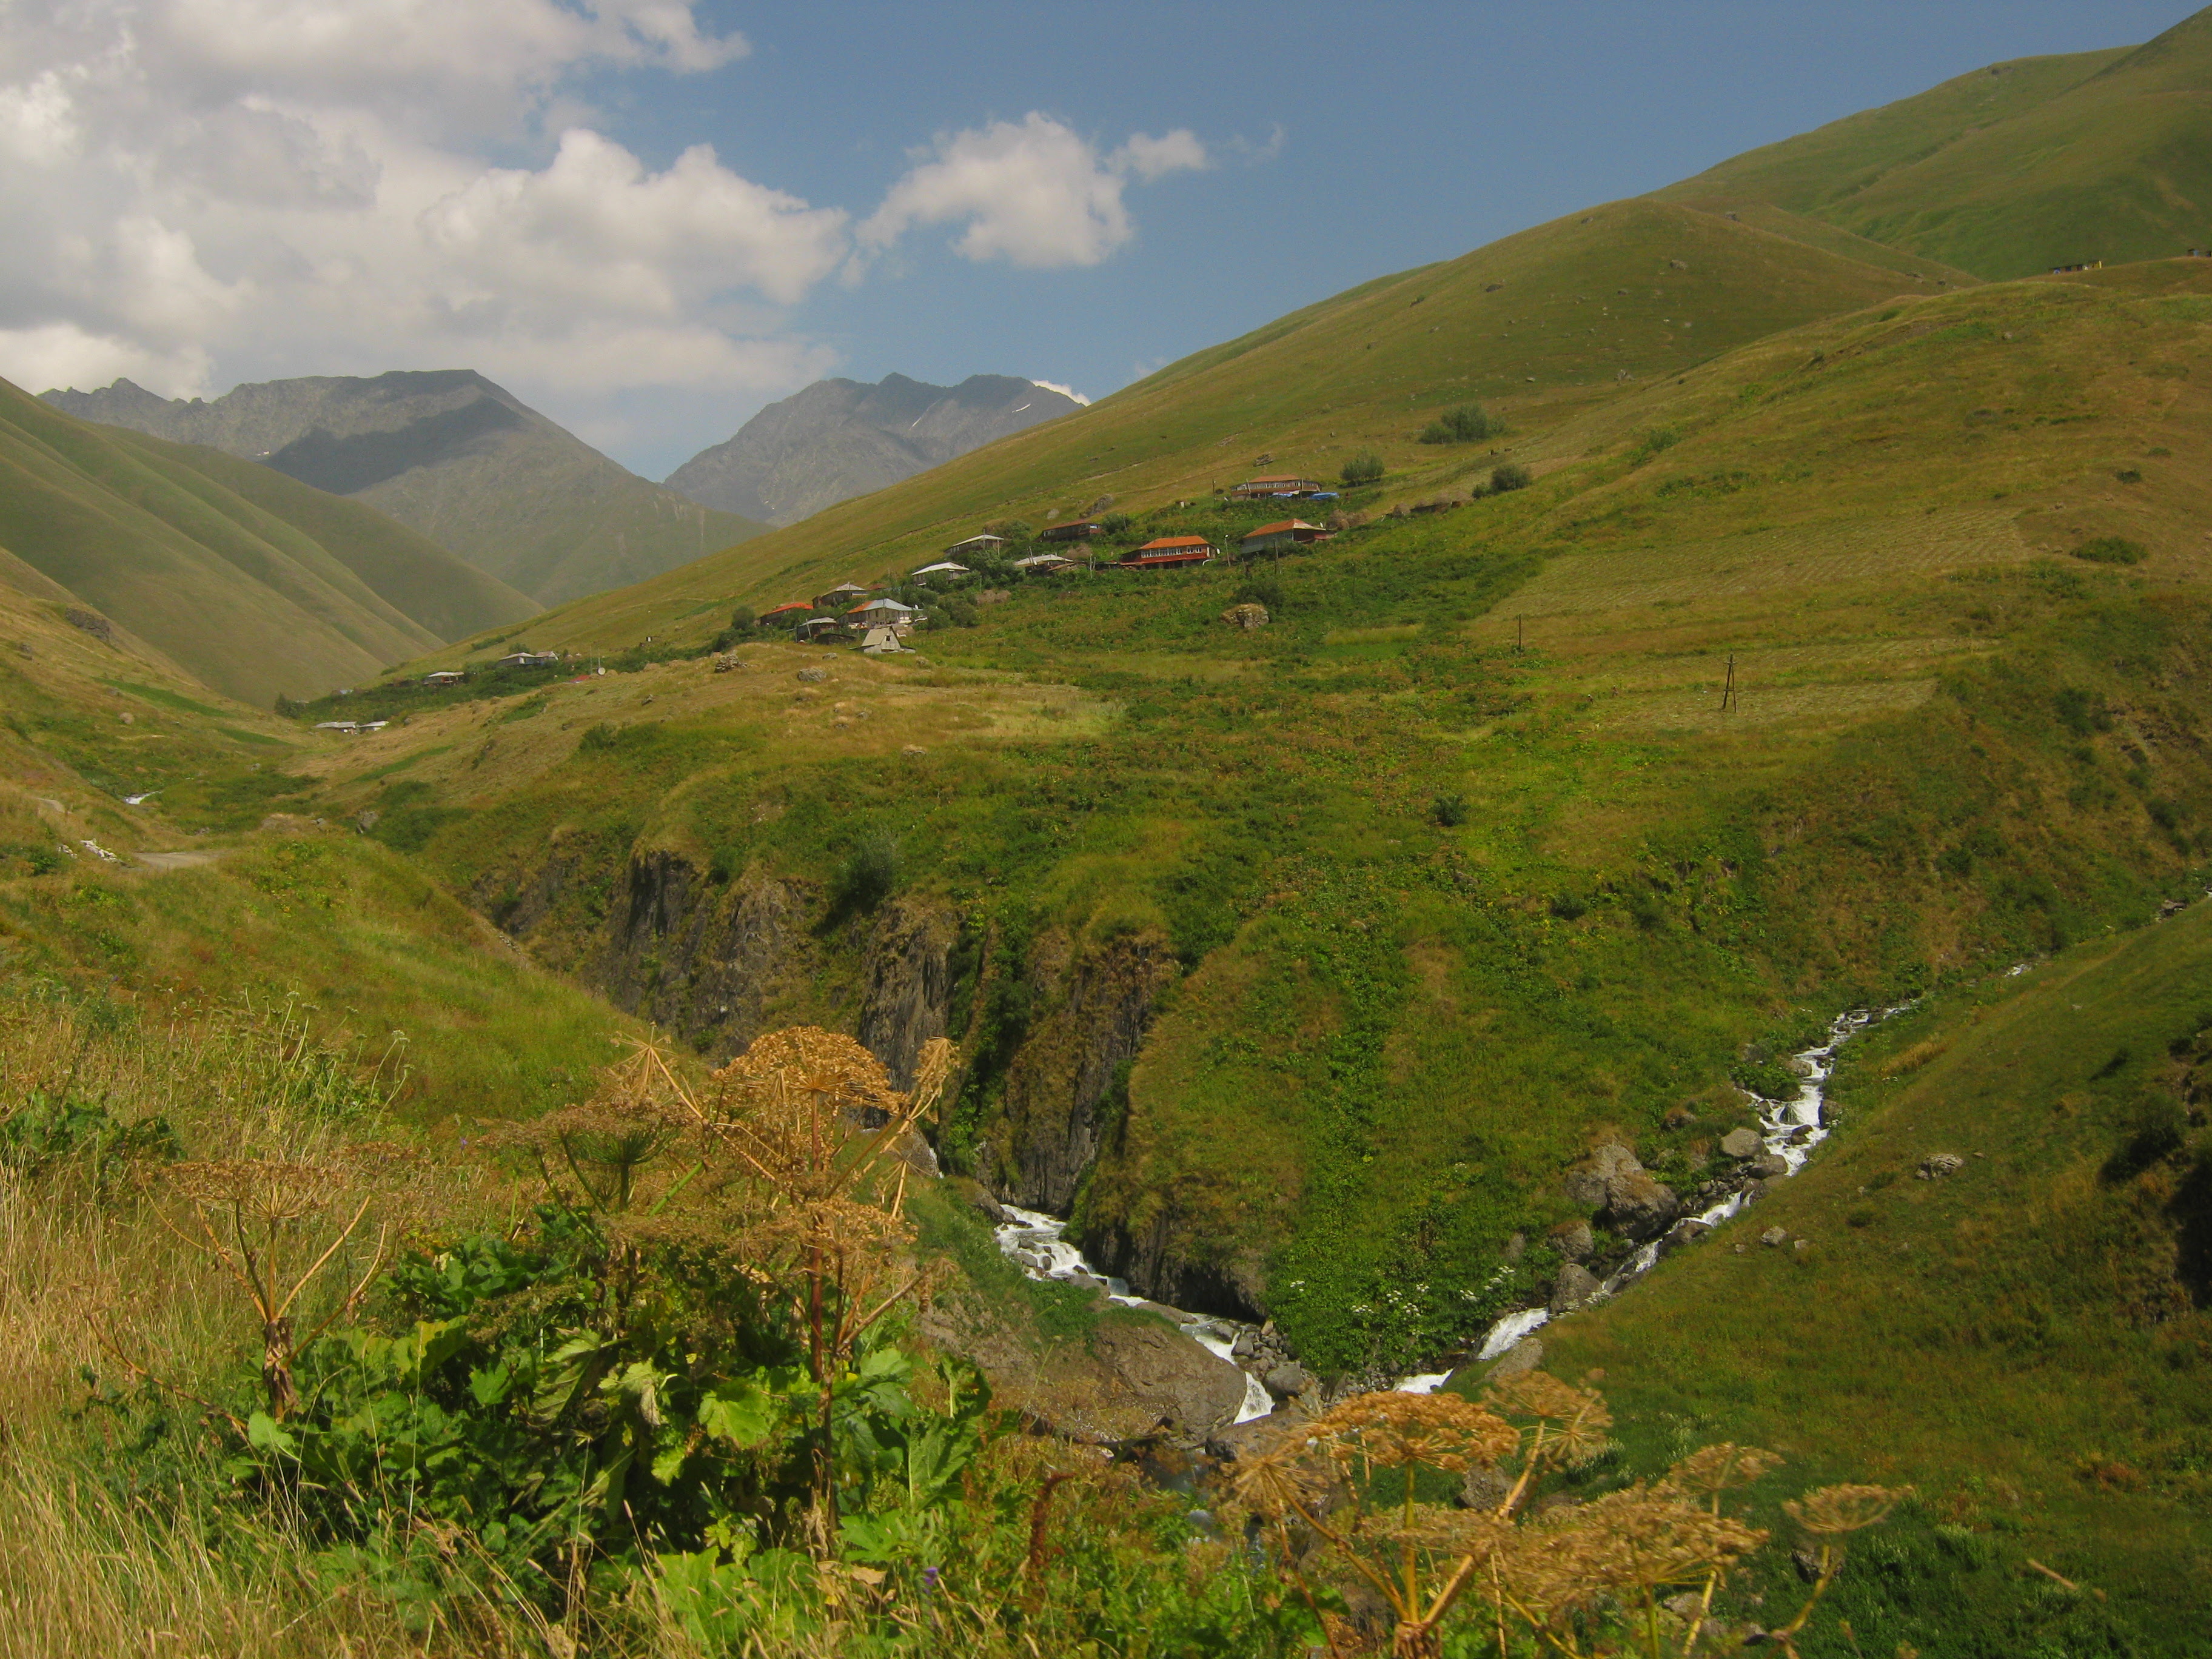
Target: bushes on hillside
1510	476
1467	424
1365	468
2111	550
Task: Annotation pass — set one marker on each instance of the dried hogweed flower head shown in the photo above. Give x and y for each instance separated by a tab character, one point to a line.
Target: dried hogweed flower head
1711	1470
1833	1510
1574	1420
1390	1431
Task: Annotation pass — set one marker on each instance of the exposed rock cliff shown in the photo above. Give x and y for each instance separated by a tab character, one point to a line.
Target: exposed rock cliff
907	981
1100	1005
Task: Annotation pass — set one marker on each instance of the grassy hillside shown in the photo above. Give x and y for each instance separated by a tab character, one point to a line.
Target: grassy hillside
257	584
2028	1339
1536	325
225	885
2018	167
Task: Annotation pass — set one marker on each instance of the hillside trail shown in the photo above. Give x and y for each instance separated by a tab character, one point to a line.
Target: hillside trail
1788	1129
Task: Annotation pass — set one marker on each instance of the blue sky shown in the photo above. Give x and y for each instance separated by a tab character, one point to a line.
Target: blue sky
1072	191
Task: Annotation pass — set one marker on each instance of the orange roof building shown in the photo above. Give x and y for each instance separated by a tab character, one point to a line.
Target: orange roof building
1168	550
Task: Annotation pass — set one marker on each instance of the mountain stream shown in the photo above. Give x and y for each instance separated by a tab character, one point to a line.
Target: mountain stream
1788	1129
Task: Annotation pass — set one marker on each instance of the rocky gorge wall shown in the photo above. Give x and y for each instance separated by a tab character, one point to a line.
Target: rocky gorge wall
719	962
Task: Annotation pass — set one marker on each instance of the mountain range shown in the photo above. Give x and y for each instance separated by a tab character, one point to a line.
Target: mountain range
453	456
255	583
839	439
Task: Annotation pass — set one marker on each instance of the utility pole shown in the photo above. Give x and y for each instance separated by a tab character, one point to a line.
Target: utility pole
1519	637
1728	686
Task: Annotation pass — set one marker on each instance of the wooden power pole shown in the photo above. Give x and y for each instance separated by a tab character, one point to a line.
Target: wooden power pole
1728	686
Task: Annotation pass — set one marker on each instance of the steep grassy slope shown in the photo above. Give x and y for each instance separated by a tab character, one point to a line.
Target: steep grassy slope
1537	324
2021	167
258	585
453	456
202	903
2028	1339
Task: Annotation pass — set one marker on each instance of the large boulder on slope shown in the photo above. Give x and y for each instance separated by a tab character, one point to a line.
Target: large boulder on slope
1575	1285
1192	1392
1742	1143
1611	1180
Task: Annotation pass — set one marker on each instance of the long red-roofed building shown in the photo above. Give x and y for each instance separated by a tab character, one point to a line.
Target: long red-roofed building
1168	550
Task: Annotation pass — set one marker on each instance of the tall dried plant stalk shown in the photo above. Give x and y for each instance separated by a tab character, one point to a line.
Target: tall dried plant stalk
1547	1572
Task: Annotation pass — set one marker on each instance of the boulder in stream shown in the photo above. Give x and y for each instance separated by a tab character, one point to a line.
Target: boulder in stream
1611	1180
1526	1355
1742	1143
1769	1166
1575	1285
1287	1380
1574	1240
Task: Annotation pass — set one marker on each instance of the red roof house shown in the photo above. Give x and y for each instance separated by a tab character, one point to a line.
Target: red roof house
1168	550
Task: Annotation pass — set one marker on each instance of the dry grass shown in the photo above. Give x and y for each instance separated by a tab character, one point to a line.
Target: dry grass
91	1281
1825	555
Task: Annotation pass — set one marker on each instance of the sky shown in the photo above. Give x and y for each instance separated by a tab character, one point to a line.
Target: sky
649	218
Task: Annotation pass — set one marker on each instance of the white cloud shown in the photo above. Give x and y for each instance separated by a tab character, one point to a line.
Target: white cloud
63	355
1064	391
595	226
382	51
1151	158
38	120
1034	193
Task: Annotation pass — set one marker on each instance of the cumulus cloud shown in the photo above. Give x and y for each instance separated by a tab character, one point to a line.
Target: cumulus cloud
1064	391
386	51
1033	192
596	226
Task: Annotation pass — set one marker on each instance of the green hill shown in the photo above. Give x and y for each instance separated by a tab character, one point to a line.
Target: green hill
258	585
2028	1338
2022	167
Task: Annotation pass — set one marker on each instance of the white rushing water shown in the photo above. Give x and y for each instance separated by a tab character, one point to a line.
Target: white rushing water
1788	1129
1037	1243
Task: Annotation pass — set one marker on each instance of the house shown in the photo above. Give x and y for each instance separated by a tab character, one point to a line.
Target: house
444	677
529	660
840	596
985	543
816	628
1076	530
943	567
1280	484
1043	564
790	611
1168	550
881	613
1286	532
346	726
882	640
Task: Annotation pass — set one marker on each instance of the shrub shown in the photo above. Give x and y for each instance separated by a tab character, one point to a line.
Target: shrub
1511	476
1469	423
871	873
1450	811
2129	475
1262	591
2111	550
1365	468
743	620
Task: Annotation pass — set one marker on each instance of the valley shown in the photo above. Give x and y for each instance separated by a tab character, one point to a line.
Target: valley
1790	681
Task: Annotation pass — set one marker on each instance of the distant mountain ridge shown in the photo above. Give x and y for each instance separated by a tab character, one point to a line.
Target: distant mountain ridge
453	456
839	439
250	581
